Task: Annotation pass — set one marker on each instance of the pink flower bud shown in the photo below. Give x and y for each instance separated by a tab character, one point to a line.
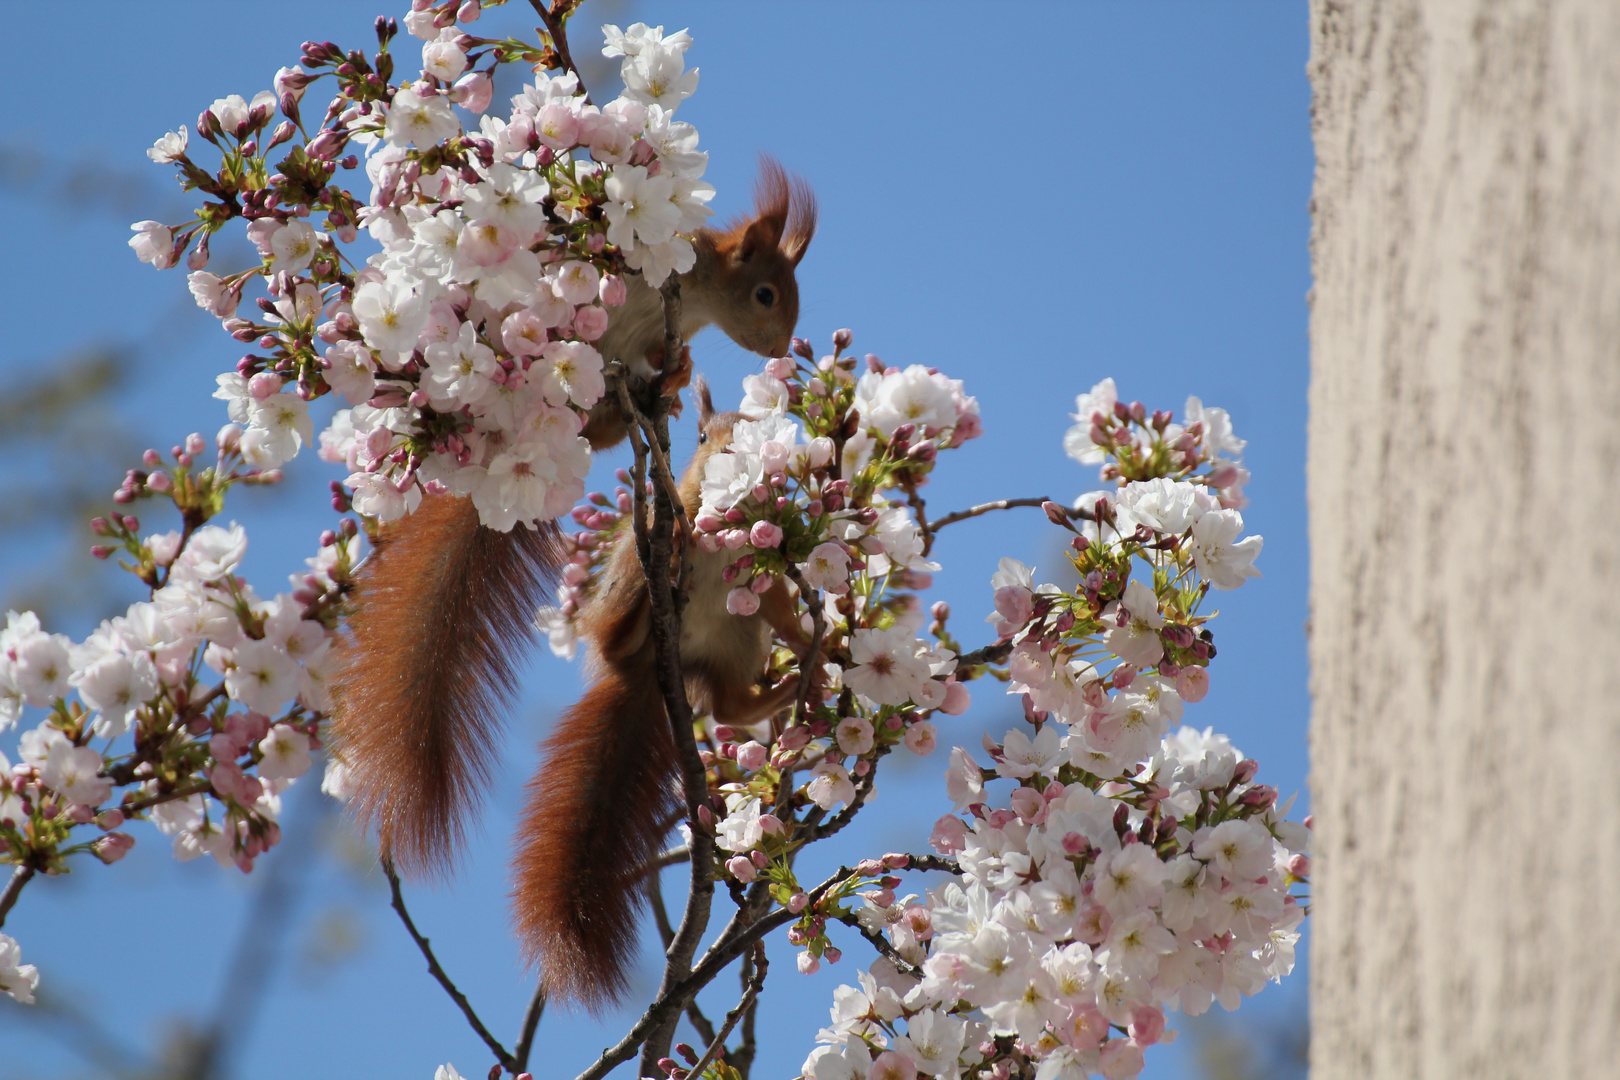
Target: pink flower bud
795	738
264	385
1192	683
796	903
832	954
112	847
159	482
751	755
761	584
590	322
957	699
742	601
808	965
734	538
612	290
820	452
742	868
1147	1026
1300	866
780	367
765	534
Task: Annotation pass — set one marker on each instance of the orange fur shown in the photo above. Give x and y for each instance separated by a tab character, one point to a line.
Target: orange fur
442	609
598	809
593	818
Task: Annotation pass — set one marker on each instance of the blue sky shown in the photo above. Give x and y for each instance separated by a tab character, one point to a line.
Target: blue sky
1029	196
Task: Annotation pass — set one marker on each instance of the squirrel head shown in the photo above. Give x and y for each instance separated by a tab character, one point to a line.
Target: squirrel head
714	436
756	294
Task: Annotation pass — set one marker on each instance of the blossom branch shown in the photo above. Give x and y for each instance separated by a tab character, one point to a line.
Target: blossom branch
881	944
19	877
438	972
989	654
531	1022
717	959
983	508
818	630
557	29
750	994
666	621
169	796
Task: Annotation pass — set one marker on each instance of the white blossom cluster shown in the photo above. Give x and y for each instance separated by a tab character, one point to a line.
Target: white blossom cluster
1080	916
1126	443
465	346
133	725
1131	870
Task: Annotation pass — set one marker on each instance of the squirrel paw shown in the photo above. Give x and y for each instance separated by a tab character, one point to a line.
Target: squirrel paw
675	377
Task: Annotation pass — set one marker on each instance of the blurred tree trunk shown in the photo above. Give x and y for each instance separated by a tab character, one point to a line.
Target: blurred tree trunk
1464	477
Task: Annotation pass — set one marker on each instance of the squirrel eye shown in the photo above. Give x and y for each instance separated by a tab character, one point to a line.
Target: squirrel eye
765	295
703	437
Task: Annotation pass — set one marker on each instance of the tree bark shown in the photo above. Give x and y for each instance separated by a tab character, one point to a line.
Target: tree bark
1465	542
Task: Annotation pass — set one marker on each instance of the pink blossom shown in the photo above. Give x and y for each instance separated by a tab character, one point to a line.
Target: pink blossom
765	534
742	868
591	322
957	699
153	243
742	601
919	738
1192	683
472	91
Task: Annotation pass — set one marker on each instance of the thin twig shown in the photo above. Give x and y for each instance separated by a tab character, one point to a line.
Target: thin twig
398	904
881	944
818	629
750	995
990	654
531	1022
700	1023
669	858
985	508
655	892
742	1059
557	30
14	887
136	805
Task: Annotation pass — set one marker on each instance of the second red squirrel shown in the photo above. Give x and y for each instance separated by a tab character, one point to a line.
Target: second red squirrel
444	603
598	810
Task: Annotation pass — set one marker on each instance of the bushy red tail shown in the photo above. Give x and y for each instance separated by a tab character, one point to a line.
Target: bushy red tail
595	815
442	609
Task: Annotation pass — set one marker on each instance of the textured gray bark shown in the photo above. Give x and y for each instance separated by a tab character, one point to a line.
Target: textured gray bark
1465	434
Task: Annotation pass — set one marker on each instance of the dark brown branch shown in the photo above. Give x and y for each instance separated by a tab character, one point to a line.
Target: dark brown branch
19	877
881	944
984	508
666	618
398	903
990	654
531	1023
136	805
557	30
818	629
750	995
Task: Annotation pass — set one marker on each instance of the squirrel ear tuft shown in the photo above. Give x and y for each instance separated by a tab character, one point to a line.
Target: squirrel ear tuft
784	218
786	198
700	387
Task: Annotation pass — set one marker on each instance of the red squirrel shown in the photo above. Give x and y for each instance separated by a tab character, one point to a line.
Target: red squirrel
442	605
599	808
